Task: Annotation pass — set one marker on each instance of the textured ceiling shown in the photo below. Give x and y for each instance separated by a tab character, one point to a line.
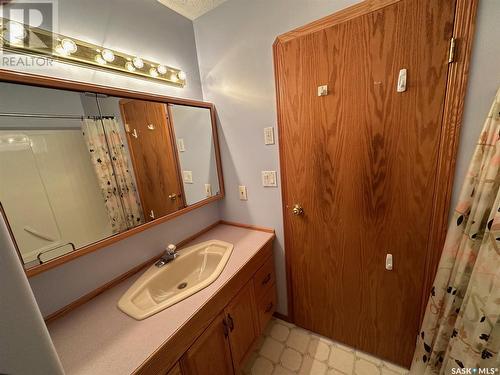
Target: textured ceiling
192	8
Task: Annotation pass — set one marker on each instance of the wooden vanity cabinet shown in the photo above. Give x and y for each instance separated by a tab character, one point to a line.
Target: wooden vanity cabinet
222	348
210	354
241	316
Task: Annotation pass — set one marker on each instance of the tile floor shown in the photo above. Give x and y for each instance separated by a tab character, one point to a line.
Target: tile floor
286	349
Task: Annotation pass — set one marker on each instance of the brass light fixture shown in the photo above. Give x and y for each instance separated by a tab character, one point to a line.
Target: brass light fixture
20	38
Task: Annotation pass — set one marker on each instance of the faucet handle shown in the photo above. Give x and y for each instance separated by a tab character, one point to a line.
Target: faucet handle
171	248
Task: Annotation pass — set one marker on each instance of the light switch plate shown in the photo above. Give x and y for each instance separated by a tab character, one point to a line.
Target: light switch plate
243	193
180	145
187	177
208	190
269	179
323	90
269	136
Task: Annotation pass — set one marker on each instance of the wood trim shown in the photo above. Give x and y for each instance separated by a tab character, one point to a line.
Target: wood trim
248	226
277	46
174	347
465	18
281	316
57	83
458	76
65	84
110	284
173	138
336	18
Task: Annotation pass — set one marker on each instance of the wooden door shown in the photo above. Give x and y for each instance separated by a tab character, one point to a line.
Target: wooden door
362	163
154	157
210	354
243	325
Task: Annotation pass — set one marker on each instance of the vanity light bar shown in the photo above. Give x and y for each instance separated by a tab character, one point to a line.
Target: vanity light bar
20	38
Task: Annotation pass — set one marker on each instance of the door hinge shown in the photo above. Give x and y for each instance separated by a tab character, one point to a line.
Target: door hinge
451	55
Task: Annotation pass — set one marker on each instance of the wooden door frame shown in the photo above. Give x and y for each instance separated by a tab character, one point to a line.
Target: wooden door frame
456	86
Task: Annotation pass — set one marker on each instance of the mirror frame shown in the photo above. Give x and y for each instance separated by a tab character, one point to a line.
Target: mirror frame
76	86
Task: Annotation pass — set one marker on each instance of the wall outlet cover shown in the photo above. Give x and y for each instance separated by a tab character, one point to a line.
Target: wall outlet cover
180	145
208	190
269	136
242	190
269	179
187	177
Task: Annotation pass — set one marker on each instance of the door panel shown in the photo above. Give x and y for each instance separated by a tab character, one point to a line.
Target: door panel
242	321
156	172
210	354
361	161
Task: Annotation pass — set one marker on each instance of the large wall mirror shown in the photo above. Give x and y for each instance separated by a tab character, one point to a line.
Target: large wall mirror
79	168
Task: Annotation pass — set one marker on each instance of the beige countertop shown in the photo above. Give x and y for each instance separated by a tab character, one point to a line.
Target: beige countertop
97	338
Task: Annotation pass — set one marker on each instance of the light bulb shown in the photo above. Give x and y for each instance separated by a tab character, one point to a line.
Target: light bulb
100	59
153	72
15	32
108	55
162	69
130	67
68	46
138	63
181	75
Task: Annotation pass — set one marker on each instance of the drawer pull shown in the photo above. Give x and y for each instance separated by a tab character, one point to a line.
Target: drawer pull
269	307
266	279
226	330
230	322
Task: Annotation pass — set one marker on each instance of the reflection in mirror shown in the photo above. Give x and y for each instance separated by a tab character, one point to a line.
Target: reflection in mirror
150	140
76	168
194	138
52	170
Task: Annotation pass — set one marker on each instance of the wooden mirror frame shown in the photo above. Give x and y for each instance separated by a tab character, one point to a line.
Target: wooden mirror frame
75	86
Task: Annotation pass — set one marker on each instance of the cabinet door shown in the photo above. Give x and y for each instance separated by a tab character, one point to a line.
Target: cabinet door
242	321
210	354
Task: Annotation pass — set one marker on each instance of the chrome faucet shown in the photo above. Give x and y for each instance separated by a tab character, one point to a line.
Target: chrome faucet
170	255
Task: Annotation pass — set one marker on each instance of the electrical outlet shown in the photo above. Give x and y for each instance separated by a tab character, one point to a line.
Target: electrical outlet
208	190
269	136
269	179
243	193
187	177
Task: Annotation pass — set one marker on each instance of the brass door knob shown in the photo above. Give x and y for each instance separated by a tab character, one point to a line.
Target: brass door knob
297	210
173	197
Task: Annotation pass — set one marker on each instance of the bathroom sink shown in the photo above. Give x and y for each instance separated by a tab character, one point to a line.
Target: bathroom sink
195	268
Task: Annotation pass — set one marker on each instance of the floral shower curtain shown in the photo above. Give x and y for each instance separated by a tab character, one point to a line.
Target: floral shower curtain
126	184
461	328
123	209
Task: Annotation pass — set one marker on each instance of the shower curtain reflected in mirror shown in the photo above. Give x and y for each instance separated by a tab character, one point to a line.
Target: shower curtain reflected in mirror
112	167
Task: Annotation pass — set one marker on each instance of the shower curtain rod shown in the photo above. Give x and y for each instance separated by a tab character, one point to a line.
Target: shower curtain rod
41	115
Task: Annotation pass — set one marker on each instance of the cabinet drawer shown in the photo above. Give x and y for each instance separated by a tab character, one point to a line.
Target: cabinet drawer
266	305
264	278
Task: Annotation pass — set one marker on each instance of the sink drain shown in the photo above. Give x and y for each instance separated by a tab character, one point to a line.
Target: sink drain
182	285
